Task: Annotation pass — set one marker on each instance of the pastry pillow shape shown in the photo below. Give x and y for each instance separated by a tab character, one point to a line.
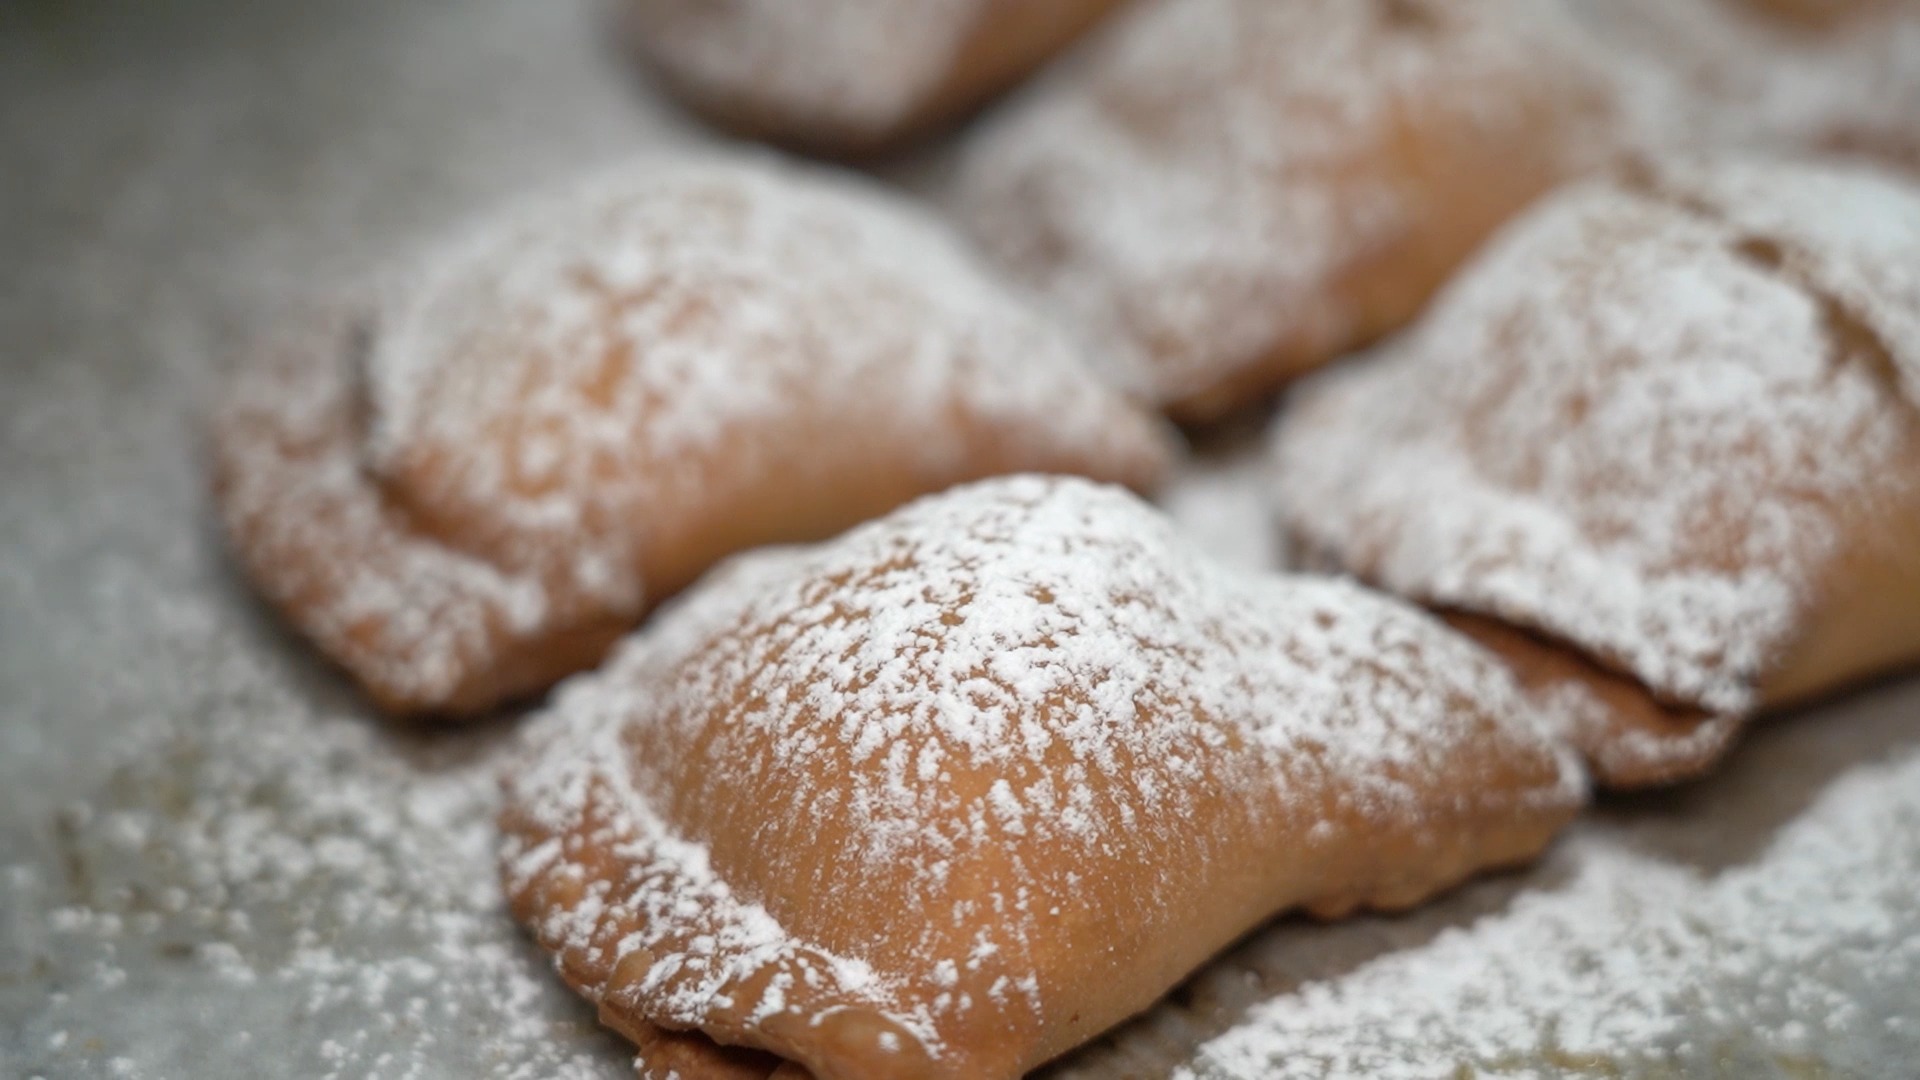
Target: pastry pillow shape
470	486
1659	444
1228	193
848	76
956	792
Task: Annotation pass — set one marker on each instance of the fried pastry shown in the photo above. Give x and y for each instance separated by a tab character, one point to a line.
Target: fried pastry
1725	75
471	487
849	76
1822	14
1227	193
1658	446
954	793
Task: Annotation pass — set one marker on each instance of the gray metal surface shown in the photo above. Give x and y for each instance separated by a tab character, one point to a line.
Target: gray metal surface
215	864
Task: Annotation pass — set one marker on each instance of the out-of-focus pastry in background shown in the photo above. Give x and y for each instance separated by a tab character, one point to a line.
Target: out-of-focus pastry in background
848	76
963	788
469	487
1765	76
1823	14
1660	445
1223	194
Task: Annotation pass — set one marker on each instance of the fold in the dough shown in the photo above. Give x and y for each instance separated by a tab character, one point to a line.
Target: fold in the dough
962	789
1659	446
468	485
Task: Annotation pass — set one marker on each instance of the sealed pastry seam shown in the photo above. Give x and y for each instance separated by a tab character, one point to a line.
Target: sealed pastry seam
1697	455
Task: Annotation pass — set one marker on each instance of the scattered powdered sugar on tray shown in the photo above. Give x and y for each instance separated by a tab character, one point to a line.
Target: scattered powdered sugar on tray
1514	455
305	875
1632	965
167	192
307	884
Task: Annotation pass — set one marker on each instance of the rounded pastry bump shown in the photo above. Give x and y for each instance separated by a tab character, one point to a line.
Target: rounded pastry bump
1666	421
1226	193
570	411
849	76
1057	755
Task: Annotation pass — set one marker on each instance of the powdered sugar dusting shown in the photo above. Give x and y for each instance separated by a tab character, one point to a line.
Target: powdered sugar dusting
1717	73
886	688
1517	456
1192	190
597	383
851	65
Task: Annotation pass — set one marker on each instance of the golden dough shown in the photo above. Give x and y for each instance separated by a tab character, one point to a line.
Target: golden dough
1667	423
469	490
1227	193
958	791
849	76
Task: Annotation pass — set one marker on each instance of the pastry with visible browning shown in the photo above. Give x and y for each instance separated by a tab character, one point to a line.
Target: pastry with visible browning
1659	445
471	488
849	76
956	792
1227	193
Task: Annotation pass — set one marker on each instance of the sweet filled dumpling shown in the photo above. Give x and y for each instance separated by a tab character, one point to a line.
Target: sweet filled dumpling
1660	445
1227	193
848	76
956	792
1772	77
469	486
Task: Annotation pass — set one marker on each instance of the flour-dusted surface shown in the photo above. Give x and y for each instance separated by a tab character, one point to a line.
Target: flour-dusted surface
173	170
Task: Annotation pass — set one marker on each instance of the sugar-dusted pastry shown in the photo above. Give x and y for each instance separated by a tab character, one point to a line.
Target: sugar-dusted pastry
472	487
849	76
956	792
1821	14
1729	75
1660	444
1227	193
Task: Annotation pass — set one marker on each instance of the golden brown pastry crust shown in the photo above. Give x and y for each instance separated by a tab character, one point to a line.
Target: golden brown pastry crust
1668	424
467	491
849	77
962	789
1227	193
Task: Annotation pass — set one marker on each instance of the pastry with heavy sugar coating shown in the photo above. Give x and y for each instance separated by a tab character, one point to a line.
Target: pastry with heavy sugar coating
1727	76
1227	193
849	76
471	488
956	792
1659	445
